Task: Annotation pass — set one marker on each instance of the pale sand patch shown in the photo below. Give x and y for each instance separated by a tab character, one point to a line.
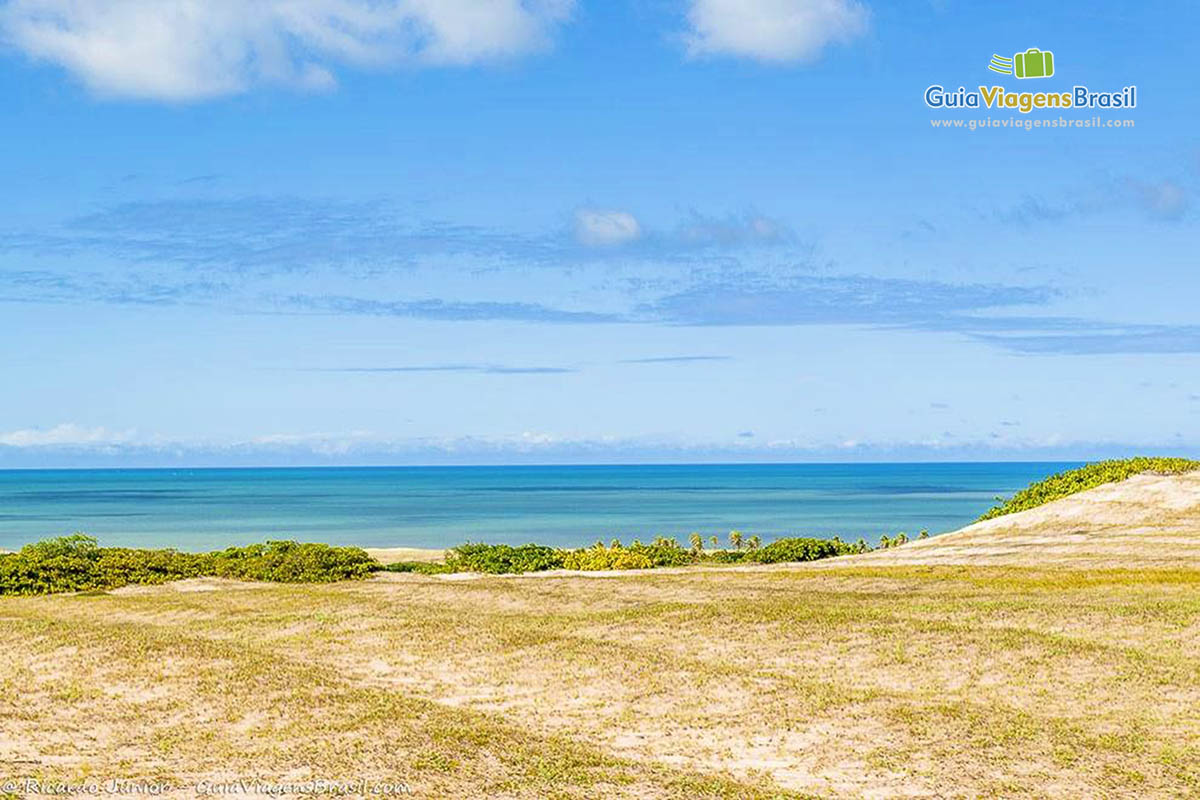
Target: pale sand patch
390	555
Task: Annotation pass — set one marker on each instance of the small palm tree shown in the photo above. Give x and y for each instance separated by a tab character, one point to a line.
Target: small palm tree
715	541
697	542
735	540
924	534
753	542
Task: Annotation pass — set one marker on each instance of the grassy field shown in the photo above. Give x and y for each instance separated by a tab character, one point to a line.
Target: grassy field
833	682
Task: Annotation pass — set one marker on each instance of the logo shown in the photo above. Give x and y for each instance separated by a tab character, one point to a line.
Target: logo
1033	63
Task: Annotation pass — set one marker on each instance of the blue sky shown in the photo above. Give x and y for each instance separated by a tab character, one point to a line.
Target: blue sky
343	231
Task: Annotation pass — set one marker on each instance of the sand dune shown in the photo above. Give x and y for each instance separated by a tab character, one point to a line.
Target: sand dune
1145	521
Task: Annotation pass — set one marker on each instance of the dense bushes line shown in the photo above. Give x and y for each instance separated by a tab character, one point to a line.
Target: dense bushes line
78	563
1088	477
499	559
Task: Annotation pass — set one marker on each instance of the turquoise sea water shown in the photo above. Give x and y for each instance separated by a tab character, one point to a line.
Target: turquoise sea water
192	509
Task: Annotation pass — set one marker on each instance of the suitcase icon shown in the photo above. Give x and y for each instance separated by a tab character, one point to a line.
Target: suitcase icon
1034	63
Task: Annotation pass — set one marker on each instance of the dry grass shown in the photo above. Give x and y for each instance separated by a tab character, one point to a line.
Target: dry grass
896	682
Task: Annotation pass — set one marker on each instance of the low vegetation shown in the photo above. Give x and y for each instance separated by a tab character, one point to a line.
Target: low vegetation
502	558
1088	477
662	552
78	563
796	549
418	567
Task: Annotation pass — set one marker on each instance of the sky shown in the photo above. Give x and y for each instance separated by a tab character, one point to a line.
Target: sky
567	231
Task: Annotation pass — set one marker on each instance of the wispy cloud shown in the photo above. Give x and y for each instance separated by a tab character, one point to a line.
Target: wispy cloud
44	286
445	310
1162	199
288	235
814	300
268	235
674	359
67	434
261	255
484	369
1103	339
772	30
970	310
178	50
734	230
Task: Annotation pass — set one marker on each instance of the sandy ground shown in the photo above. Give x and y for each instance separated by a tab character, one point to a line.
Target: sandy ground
1145	521
390	555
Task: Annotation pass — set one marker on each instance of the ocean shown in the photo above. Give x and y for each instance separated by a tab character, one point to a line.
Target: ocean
202	509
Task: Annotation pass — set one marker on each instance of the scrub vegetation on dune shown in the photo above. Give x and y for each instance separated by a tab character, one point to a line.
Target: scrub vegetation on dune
1088	477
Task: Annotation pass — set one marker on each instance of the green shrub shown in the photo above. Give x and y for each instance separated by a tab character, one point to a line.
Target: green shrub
119	566
600	557
662	552
502	558
421	567
726	556
291	562
1087	477
799	549
77	563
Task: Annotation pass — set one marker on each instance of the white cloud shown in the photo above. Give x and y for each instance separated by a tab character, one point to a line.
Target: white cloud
772	30
192	49
600	227
65	435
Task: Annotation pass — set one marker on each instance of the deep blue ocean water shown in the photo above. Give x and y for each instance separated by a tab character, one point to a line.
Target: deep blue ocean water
194	509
